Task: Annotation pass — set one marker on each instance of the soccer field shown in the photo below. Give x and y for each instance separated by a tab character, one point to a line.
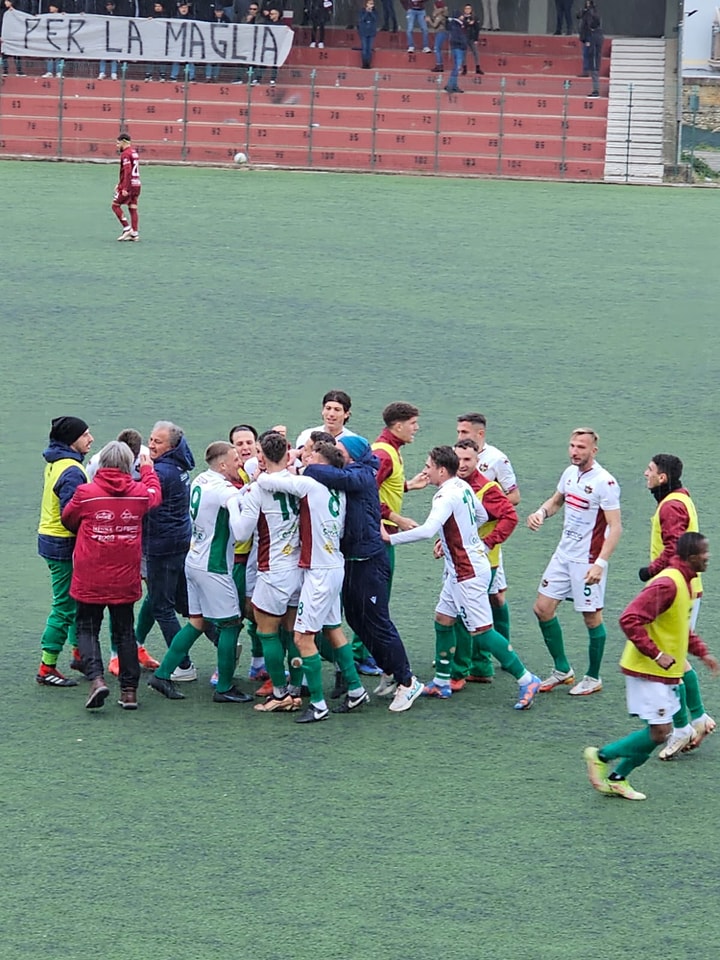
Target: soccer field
461	829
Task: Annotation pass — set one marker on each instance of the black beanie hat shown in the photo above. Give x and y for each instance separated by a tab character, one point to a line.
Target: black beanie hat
67	429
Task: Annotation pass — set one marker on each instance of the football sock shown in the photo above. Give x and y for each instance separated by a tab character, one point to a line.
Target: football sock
326	649
274	657
312	666
178	650
444	648
134	219
144	622
293	655
681	717
255	645
632	751
695	703
50	658
257	662
501	620
553	637
460	666
496	644
346	665
596	648
226	647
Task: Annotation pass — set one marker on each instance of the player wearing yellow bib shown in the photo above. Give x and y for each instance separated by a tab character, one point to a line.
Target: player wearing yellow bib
401	425
676	515
70	441
657	626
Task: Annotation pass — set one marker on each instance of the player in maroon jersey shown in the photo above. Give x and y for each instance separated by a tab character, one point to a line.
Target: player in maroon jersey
127	191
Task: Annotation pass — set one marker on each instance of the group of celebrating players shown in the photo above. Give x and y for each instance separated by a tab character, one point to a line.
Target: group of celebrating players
288	537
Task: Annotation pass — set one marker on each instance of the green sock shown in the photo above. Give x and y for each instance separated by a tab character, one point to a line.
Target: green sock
49	658
481	665
293	657
695	703
632	751
325	648
144	622
312	667
680	717
463	651
227	645
345	663
596	648
178	650
552	635
444	649
496	644
272	650
501	620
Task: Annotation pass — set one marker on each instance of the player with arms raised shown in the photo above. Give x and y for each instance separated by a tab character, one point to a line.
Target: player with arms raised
127	192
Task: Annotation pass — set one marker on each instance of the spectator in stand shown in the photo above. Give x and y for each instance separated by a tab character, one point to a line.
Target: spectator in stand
10	5
217	15
319	12
271	15
367	28
458	48
240	10
563	9
491	20
438	24
389	16
472	32
106	563
183	13
110	10
54	68
159	12
416	20
591	37
251	16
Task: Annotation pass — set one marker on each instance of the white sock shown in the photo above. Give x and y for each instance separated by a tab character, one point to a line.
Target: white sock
319	704
257	662
525	678
356	692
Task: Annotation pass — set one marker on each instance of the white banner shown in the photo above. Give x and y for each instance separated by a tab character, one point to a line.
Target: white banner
89	37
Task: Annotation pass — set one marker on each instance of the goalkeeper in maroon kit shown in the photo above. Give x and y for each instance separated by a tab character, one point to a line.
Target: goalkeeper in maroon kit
127	192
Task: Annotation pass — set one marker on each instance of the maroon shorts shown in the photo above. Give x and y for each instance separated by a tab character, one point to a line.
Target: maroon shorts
131	198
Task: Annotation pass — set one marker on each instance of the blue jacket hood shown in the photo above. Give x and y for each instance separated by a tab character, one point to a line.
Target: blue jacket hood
61	451
180	456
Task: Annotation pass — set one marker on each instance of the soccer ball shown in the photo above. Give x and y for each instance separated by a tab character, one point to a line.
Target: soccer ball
240	157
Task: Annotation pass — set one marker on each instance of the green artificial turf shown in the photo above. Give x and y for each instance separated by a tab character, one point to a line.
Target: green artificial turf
462	829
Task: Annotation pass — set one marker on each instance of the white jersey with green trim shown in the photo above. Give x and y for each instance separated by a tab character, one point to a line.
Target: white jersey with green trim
275	518
212	545
322	518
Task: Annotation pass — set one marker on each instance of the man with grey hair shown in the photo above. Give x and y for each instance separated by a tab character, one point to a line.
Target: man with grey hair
166	539
106	514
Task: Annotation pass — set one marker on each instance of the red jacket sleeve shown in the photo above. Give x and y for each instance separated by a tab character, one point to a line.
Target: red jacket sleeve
656	598
499	508
151	482
674	520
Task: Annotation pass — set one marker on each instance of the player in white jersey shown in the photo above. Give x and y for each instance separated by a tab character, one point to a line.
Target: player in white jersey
212	595
274	520
464	595
322	521
578	568
494	465
335	414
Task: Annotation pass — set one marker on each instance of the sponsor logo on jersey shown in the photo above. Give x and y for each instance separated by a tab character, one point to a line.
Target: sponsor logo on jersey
105	516
126	516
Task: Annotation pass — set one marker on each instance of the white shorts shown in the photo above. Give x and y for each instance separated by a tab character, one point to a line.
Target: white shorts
499	583
275	592
565	580
652	701
320	599
211	595
467	599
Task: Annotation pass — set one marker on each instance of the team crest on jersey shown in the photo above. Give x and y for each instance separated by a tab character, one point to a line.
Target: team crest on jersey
105	516
588	489
545	583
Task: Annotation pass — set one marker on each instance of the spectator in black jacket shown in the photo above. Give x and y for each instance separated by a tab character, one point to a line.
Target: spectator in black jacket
319	13
217	15
367	28
6	6
591	38
159	11
253	12
184	12
472	32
